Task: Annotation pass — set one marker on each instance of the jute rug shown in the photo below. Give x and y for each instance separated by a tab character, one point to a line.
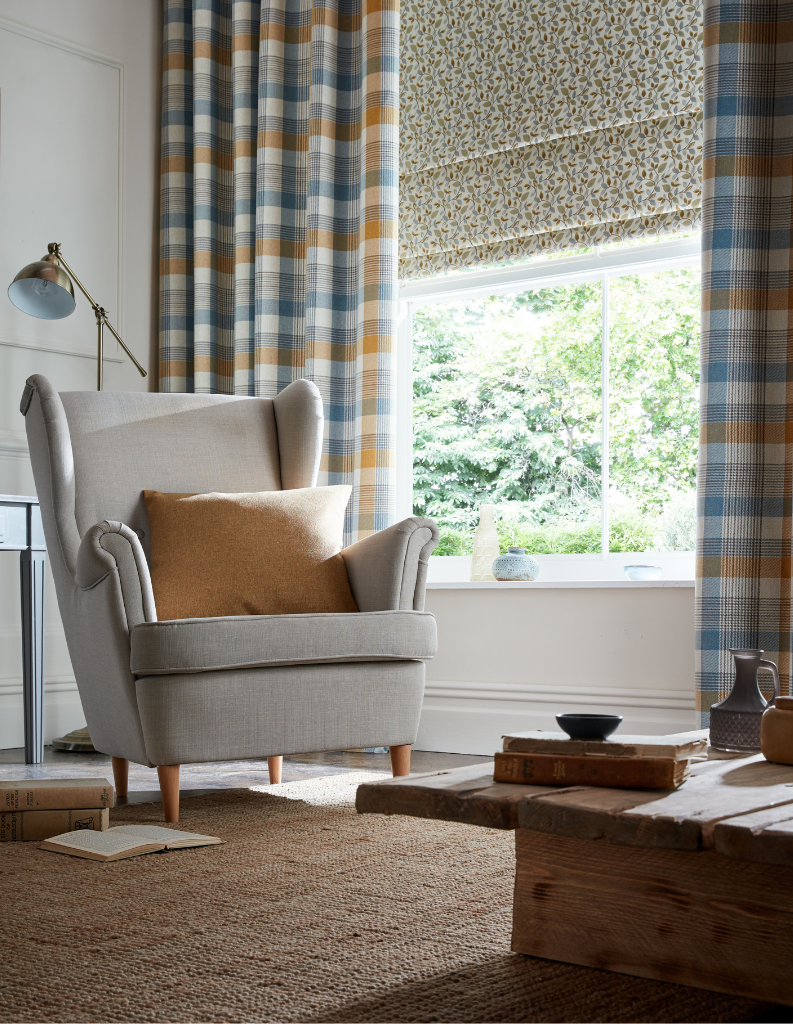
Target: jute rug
308	913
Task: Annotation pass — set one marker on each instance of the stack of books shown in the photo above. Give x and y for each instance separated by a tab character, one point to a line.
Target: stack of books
624	762
42	808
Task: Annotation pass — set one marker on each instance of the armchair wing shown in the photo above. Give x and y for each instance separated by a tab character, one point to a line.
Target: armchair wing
112	547
388	571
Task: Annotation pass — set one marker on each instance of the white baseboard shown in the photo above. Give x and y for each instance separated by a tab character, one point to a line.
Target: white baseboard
471	718
62	711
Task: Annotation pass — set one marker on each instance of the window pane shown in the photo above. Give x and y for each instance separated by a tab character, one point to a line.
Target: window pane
644	240
654	410
507	404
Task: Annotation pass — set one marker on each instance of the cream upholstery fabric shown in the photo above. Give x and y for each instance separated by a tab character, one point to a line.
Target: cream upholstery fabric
126	443
389	569
254	641
109	547
218	716
93	454
300	423
94	616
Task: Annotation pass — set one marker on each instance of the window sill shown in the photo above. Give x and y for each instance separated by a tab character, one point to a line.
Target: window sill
565	585
576	569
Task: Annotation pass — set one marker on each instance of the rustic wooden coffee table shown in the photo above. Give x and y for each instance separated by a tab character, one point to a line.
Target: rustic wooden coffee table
692	886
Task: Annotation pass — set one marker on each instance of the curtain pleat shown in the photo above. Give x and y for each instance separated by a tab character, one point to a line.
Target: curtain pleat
282	175
532	127
279	206
745	480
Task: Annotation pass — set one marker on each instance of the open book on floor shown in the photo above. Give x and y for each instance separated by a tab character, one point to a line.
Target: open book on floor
125	841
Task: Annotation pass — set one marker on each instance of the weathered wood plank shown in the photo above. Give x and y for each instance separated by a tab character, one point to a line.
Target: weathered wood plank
586	813
765	836
467	795
683	819
696	919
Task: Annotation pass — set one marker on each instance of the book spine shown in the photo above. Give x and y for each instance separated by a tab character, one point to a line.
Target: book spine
18	826
616	772
21	799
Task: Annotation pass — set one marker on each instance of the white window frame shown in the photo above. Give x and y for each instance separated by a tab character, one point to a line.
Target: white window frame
601	265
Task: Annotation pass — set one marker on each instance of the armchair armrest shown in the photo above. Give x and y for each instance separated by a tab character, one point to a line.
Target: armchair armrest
109	547
388	571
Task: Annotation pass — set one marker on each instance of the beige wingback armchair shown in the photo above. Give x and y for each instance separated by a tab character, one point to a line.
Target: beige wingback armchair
192	690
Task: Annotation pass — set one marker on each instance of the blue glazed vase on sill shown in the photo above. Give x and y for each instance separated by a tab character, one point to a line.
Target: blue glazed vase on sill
516	565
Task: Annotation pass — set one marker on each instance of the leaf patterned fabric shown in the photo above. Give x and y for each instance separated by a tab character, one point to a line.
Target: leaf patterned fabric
531	126
278	217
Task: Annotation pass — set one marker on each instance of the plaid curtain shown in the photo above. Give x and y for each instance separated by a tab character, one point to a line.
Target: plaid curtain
278	217
745	485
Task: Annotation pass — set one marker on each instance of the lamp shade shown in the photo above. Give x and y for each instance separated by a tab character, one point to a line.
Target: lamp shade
43	289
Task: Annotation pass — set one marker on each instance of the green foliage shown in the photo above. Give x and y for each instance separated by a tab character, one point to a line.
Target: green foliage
654	384
628	531
677	526
455	542
507	402
498	415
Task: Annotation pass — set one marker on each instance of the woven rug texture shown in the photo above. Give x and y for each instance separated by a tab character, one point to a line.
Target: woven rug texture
309	912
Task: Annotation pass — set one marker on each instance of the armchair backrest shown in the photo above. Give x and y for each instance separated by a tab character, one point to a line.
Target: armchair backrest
185	443
93	454
101	450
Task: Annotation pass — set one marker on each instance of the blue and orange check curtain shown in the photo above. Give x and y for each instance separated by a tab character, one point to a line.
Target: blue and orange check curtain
279	217
745	485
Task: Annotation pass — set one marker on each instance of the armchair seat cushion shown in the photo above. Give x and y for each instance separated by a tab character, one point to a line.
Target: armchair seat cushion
257	641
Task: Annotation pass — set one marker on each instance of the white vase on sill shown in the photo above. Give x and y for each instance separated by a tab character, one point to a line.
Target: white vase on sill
486	547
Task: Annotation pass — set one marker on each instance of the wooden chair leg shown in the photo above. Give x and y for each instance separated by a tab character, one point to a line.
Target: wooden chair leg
274	767
121	775
400	759
169	787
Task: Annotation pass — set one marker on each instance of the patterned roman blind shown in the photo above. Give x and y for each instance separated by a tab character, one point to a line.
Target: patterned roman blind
542	125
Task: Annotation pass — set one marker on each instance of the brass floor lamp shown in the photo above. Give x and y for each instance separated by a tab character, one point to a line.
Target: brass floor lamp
44	289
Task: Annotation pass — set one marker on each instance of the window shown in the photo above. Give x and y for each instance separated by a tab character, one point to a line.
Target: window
565	392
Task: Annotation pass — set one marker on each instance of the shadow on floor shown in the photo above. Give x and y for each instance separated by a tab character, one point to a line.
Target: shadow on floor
514	988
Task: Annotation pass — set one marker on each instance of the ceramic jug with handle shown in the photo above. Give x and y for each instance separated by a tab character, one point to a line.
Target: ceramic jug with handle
735	721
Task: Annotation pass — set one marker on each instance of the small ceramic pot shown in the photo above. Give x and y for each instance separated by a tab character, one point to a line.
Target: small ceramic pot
516	565
776	731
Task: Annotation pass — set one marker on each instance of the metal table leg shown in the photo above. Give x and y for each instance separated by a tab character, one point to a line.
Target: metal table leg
31	569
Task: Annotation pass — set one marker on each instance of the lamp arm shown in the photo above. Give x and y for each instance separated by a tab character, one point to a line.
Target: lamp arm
55	249
101	315
114	332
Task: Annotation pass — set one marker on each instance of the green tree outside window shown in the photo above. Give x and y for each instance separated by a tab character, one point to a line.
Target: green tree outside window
507	410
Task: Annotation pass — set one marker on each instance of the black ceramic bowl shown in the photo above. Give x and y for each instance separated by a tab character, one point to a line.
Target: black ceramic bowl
589	727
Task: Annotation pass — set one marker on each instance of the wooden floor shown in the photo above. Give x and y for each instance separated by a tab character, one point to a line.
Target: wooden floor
203	778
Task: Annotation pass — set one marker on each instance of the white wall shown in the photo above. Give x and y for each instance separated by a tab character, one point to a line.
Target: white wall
79	154
512	656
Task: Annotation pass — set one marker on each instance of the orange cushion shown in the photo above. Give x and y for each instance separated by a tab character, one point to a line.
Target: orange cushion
263	553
